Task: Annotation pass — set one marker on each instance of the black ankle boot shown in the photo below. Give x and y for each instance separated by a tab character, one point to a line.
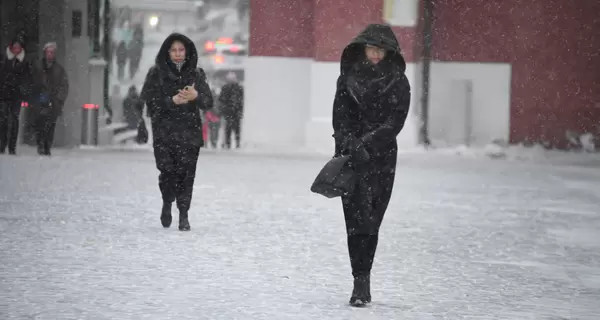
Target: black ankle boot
184	223
165	215
361	294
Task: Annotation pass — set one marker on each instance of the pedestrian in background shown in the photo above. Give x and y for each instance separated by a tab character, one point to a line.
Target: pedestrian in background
53	90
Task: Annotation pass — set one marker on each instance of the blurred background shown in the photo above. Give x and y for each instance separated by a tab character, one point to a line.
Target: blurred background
121	39
501	73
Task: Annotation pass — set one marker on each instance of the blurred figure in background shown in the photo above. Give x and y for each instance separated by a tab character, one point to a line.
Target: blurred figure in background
124	37
231	102
53	91
176	91
135	50
16	79
122	55
133	108
212	124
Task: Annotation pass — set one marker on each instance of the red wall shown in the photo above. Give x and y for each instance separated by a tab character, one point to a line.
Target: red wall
315	29
553	48
340	21
282	28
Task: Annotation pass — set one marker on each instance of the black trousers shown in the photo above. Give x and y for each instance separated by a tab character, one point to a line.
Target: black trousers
177	166
364	211
133	68
233	125
45	125
9	125
213	132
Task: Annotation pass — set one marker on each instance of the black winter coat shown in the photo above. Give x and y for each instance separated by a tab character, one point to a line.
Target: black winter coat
16	77
377	117
133	108
231	100
171	123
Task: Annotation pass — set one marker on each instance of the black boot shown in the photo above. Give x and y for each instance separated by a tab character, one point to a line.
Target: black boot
184	223
361	294
165	216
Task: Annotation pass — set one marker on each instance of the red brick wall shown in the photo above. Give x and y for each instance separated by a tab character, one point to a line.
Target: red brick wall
316	29
340	21
553	48
282	28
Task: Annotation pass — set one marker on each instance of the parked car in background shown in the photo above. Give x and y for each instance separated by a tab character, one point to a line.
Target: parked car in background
222	56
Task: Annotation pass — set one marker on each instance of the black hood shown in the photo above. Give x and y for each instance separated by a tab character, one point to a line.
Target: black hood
18	38
378	35
191	54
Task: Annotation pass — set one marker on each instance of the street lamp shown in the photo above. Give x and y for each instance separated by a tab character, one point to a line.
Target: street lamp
153	21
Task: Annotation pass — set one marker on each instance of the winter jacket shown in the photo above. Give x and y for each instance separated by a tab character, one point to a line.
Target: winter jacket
16	77
231	100
170	122
371	113
133	107
52	85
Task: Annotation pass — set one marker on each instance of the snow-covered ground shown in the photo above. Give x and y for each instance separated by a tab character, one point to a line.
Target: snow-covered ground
464	238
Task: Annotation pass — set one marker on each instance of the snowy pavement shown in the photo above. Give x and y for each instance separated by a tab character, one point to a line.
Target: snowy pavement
80	238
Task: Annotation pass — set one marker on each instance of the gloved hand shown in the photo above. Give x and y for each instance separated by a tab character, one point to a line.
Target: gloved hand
356	149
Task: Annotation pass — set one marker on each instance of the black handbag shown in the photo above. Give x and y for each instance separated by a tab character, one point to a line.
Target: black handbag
142	135
337	178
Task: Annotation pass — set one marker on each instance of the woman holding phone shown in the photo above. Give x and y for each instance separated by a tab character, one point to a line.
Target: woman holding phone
176	91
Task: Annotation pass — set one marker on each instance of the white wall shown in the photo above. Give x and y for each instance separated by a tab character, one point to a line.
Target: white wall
297	96
277	101
489	100
289	103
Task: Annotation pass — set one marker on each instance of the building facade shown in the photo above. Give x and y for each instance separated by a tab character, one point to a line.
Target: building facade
500	71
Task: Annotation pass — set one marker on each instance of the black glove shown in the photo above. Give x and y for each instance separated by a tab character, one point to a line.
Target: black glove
356	149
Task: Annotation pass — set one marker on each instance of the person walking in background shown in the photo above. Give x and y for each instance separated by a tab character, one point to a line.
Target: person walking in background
122	56
16	80
231	102
133	107
136	49
213	125
176	91
371	105
53	91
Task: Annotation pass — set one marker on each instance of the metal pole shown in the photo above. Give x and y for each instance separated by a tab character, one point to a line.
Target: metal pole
106	46
469	112
426	60
89	128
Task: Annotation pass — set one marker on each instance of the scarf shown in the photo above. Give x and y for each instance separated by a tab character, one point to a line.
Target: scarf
179	65
366	81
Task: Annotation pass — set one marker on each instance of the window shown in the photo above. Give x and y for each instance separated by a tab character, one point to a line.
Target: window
93	25
401	13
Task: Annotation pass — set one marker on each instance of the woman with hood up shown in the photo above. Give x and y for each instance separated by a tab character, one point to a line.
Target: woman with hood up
175	92
16	80
370	107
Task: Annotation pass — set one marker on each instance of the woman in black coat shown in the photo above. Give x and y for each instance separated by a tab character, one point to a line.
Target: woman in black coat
371	105
175	91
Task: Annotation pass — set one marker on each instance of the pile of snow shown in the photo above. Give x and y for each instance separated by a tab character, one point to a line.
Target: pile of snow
535	154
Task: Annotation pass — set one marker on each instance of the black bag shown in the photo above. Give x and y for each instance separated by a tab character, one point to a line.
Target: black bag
337	178
142	136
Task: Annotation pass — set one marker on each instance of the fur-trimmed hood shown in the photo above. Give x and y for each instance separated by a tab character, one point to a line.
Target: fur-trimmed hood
11	56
